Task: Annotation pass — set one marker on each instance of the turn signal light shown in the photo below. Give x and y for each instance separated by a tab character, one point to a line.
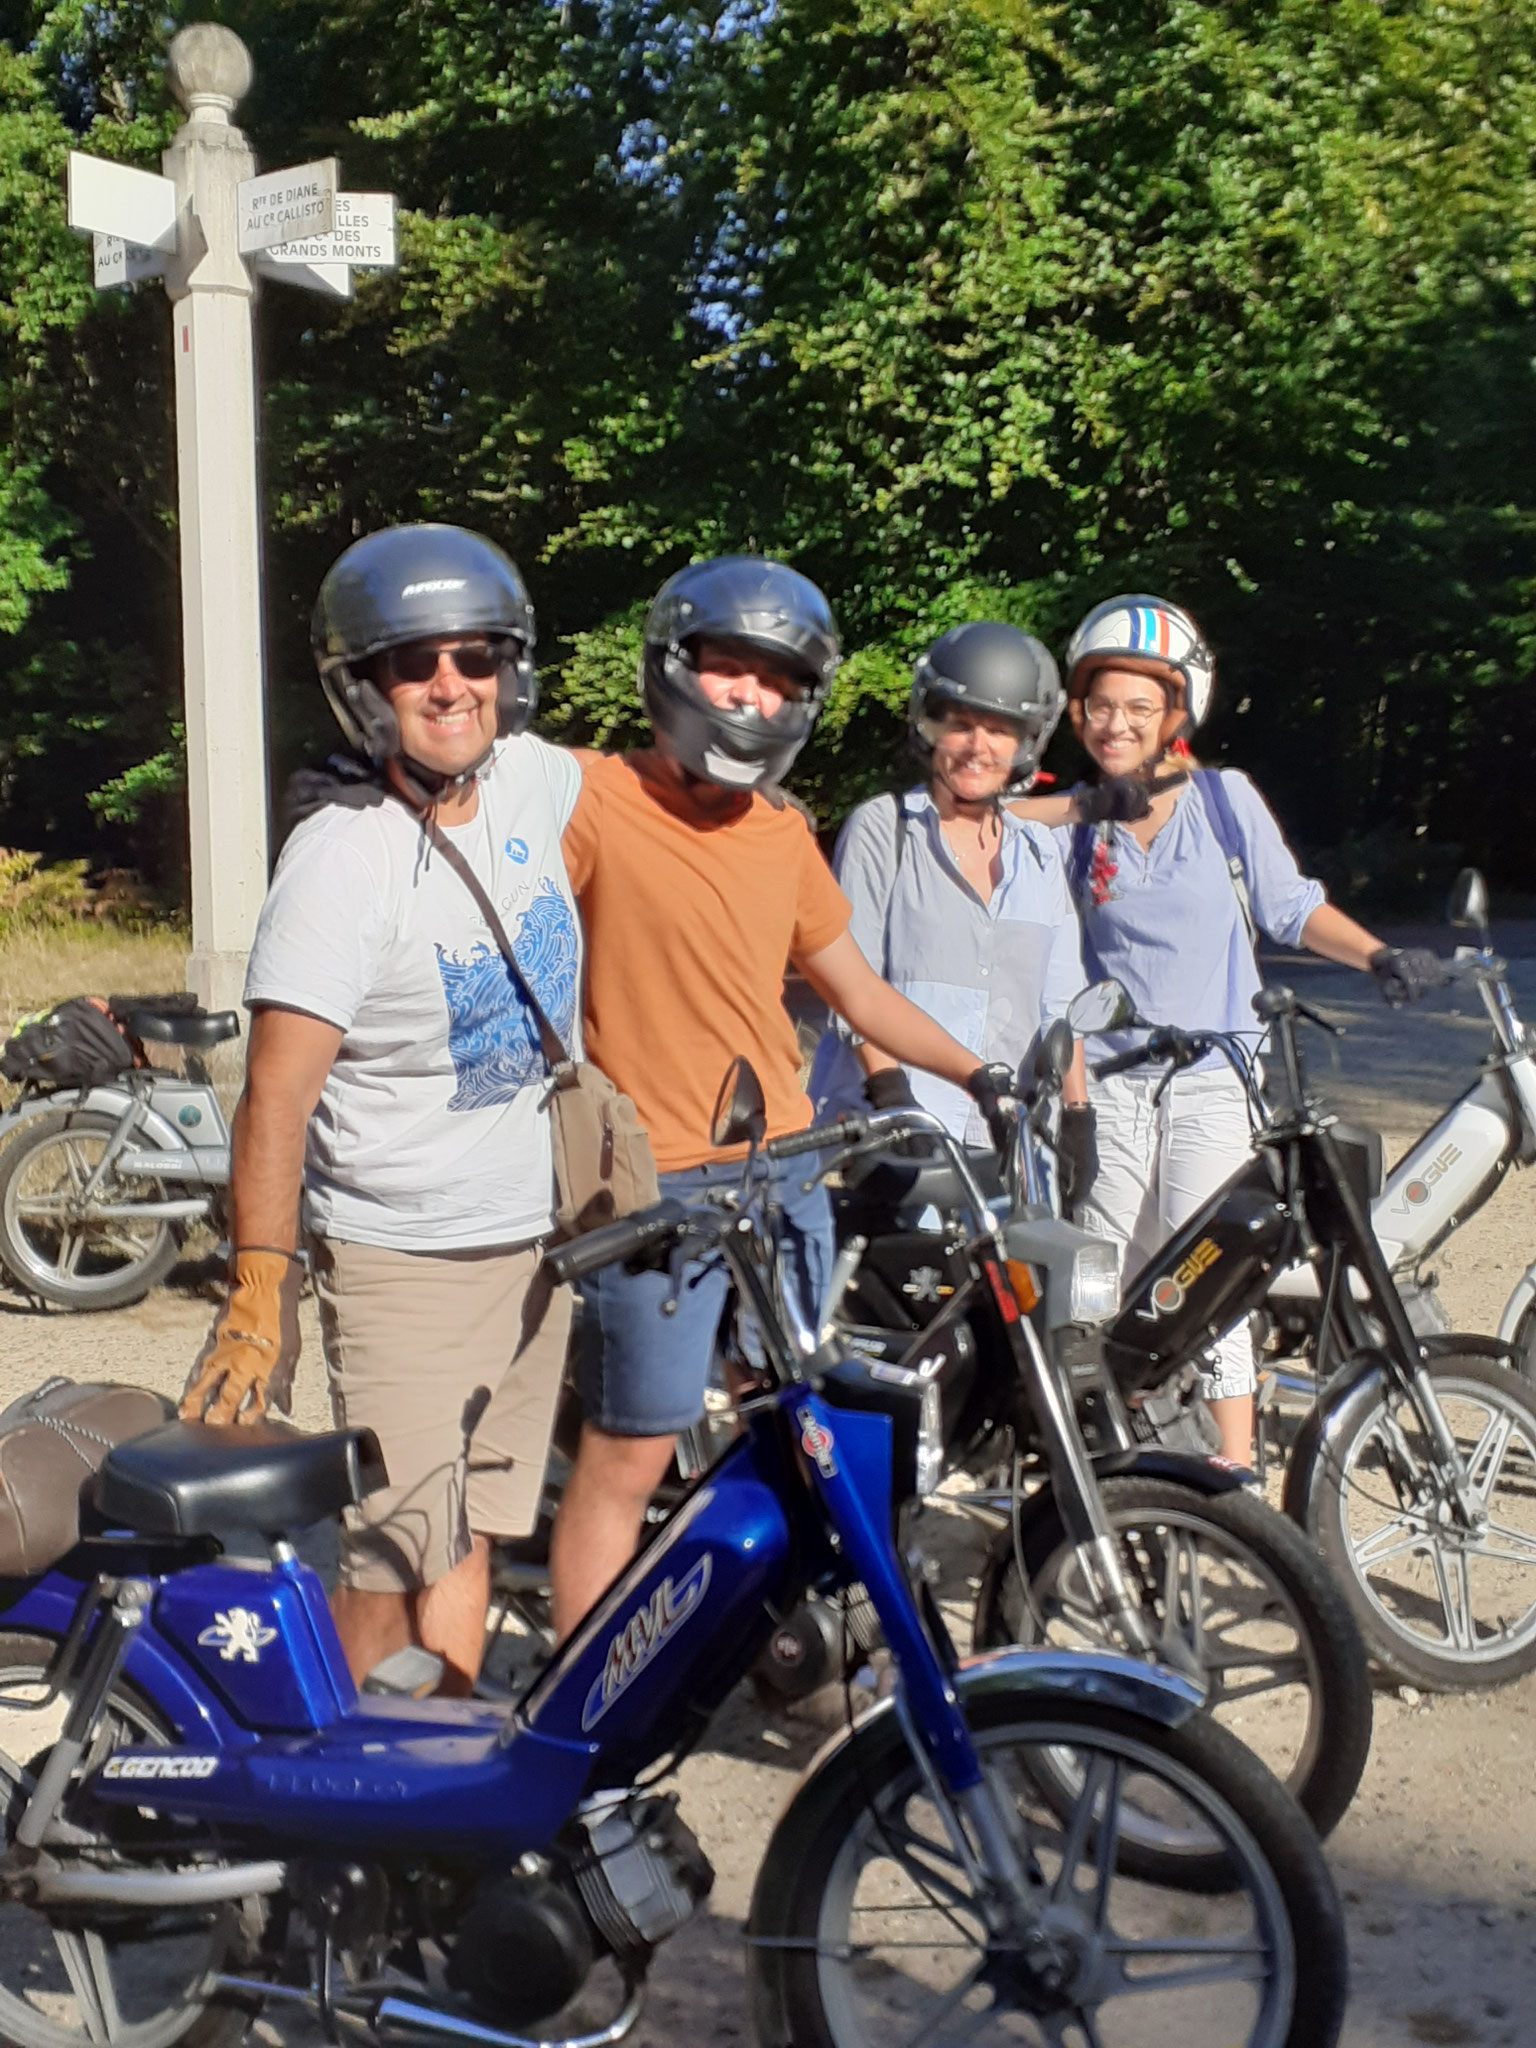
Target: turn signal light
1025	1292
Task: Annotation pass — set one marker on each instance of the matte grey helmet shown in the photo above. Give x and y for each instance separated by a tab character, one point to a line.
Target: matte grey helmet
753	603
413	583
987	667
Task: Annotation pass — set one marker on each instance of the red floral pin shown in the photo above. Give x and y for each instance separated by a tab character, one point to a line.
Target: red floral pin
1101	875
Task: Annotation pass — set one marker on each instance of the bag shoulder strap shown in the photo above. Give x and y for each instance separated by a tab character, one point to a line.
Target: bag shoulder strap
1223	822
551	1044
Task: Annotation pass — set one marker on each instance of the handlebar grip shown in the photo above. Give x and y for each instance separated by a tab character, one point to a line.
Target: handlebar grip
1122	1062
622	1240
848	1130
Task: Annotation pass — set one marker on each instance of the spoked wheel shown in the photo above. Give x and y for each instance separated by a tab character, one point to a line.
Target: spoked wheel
1440	1605
55	1239
867	1931
134	1980
1234	1590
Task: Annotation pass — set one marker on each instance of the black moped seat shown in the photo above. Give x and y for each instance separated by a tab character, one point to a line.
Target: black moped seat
199	1030
193	1479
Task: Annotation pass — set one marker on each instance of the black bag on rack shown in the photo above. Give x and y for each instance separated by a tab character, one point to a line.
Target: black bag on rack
76	1045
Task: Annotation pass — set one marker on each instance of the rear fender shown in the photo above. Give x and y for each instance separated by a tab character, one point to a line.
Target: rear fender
153	1129
46	1606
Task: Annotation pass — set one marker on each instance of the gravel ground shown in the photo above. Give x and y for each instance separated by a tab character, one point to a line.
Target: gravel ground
1437	1859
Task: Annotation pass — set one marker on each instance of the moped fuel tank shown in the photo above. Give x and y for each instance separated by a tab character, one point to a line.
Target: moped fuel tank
1204	1279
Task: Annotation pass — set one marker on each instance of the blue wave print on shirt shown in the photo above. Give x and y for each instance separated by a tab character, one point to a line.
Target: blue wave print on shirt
491	1033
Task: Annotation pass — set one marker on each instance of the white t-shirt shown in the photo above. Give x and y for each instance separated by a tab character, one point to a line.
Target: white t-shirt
430	1132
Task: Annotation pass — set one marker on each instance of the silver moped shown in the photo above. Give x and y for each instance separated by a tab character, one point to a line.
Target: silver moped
99	1186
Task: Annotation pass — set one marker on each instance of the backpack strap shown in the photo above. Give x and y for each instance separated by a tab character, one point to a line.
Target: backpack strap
1080	861
1223	822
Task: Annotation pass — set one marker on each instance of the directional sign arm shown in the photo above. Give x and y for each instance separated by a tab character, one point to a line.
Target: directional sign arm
114	199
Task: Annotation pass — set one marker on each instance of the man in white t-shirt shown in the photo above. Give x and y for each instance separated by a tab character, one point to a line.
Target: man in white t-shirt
395	1077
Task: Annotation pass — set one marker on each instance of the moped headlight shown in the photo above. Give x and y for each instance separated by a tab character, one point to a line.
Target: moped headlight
1095	1283
930	1440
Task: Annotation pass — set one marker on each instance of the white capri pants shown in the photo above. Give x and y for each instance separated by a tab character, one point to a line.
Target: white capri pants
1157	1165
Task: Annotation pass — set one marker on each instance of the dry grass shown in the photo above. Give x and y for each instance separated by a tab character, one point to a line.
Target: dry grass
44	965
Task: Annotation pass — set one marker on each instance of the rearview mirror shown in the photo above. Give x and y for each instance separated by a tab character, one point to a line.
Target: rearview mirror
1053	1055
1468	906
1105	1006
740	1115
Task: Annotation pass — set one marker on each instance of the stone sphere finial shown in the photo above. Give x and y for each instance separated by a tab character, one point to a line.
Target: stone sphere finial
210	68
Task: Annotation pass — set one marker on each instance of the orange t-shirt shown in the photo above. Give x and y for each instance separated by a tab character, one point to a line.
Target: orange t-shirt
690	924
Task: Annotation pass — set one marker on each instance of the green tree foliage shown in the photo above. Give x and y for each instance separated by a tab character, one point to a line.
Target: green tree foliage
965	306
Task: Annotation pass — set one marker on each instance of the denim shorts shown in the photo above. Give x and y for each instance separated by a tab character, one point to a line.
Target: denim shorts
643	1372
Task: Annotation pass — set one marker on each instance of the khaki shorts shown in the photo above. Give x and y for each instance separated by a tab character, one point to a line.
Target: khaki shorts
454	1360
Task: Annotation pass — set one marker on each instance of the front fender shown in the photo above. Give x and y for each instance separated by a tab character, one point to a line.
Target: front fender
837	1777
1176	1467
1103	1676
1358	1383
1182	1468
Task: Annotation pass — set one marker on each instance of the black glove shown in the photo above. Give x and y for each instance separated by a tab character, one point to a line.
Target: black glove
1114	799
993	1090
889	1089
1077	1153
1406	974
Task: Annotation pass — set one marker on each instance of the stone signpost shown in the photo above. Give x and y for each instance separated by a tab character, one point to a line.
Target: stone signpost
195	228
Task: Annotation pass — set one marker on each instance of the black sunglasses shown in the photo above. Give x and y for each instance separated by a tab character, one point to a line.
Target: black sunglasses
475	660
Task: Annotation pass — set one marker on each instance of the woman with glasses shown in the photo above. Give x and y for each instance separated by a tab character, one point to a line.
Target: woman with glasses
957	902
1175	872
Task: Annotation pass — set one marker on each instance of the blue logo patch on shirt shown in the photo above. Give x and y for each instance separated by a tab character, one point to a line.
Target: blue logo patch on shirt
492	1036
517	850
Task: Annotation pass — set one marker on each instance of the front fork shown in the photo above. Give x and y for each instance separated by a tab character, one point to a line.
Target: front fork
1076	1490
1364	1252
990	1850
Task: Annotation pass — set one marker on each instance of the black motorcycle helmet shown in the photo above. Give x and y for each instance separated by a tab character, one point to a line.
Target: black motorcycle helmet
987	667
752	603
412	583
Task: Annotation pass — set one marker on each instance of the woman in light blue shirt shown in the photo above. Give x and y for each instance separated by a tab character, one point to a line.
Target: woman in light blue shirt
958	903
1174	874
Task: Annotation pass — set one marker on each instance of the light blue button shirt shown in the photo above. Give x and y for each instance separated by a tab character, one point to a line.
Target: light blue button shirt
990	973
1171	929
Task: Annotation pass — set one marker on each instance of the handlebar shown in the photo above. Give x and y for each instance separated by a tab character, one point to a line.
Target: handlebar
848	1130
625	1239
669	1218
1166	1042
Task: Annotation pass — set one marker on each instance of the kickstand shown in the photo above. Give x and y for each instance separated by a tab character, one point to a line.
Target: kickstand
324	2006
1264	1400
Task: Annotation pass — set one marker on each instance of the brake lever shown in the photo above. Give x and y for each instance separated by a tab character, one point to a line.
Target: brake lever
1323	1023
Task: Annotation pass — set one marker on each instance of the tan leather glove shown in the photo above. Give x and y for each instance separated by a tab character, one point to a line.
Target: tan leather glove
248	1361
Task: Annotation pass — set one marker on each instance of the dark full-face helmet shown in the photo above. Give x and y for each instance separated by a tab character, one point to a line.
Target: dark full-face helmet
993	668
752	605
416	583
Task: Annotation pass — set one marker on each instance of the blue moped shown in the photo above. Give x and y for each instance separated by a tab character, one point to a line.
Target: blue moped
202	1815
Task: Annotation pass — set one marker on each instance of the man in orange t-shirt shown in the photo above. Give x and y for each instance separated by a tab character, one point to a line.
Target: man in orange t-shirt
698	882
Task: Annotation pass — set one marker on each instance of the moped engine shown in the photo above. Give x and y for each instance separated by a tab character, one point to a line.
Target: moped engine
523	1948
640	1873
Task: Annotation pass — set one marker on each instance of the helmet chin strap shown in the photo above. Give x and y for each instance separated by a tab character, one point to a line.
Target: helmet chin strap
428	786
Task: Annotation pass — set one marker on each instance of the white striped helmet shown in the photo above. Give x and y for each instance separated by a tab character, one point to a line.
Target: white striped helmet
1151	634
